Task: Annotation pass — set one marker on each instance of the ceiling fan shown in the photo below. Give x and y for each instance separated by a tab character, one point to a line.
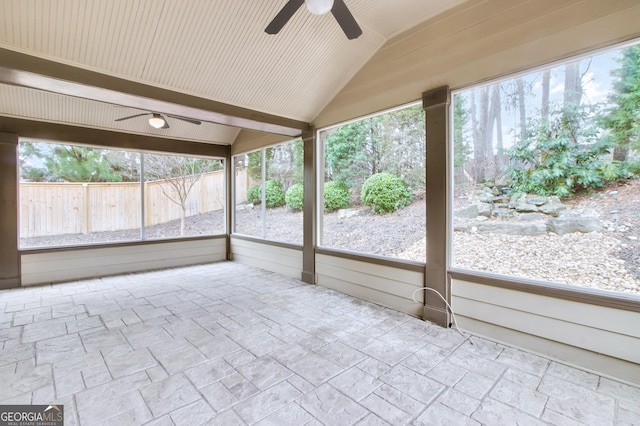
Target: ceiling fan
318	7
158	121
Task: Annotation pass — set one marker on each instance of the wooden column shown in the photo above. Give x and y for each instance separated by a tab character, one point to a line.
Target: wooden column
9	255
309	208
229	199
436	106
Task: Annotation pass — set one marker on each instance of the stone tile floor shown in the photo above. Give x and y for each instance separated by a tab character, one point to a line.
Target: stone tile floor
228	344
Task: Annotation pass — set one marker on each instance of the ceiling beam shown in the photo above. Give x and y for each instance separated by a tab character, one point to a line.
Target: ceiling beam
23	70
41	130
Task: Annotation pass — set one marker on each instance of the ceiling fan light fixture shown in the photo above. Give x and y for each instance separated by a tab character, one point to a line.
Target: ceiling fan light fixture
319	7
157	121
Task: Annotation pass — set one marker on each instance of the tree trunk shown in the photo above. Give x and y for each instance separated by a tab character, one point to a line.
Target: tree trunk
496	107
522	111
488	134
546	81
479	119
620	153
572	85
183	218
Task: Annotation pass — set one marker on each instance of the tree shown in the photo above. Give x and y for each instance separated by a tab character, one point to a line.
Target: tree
352	152
392	142
522	107
485	119
572	86
254	163
285	163
461	149
562	155
403	145
125	164
546	90
43	162
516	92
623	118
32	167
479	122
176	176
496	114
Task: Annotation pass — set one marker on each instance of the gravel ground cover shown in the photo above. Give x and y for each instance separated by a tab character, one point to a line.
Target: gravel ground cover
608	260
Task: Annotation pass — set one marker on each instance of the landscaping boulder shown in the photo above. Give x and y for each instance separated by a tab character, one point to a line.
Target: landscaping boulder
536	200
568	224
525	208
484	209
552	209
473	211
554	200
502	211
347	213
241	207
532	217
512	228
486	197
517	197
462	227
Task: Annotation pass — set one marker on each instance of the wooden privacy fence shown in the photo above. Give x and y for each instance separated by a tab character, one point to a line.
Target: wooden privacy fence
52	208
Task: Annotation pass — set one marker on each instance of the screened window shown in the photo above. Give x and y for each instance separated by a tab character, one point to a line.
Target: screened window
184	196
373	185
269	190
76	195
545	169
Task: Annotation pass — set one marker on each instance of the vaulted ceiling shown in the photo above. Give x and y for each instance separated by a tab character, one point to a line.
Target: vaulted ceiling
194	58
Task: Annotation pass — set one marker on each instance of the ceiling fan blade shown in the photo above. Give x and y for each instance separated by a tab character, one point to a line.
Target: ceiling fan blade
346	20
283	16
188	120
132	116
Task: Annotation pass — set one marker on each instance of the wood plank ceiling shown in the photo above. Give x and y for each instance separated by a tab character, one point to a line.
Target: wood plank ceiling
216	50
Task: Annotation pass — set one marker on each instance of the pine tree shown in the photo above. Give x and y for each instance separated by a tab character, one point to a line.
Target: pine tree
71	163
623	118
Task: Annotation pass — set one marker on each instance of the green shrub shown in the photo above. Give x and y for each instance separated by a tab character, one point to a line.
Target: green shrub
254	194
563	156
274	196
385	193
336	196
294	196
634	169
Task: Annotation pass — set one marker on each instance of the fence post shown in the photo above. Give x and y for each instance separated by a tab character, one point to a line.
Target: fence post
147	209
203	203
86	217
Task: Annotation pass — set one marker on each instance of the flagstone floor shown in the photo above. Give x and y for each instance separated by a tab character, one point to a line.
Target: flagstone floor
227	344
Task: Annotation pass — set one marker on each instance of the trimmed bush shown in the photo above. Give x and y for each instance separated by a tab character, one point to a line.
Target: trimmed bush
254	194
336	196
385	193
274	196
294	196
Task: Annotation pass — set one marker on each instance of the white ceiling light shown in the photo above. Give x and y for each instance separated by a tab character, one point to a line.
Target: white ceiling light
319	7
157	121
